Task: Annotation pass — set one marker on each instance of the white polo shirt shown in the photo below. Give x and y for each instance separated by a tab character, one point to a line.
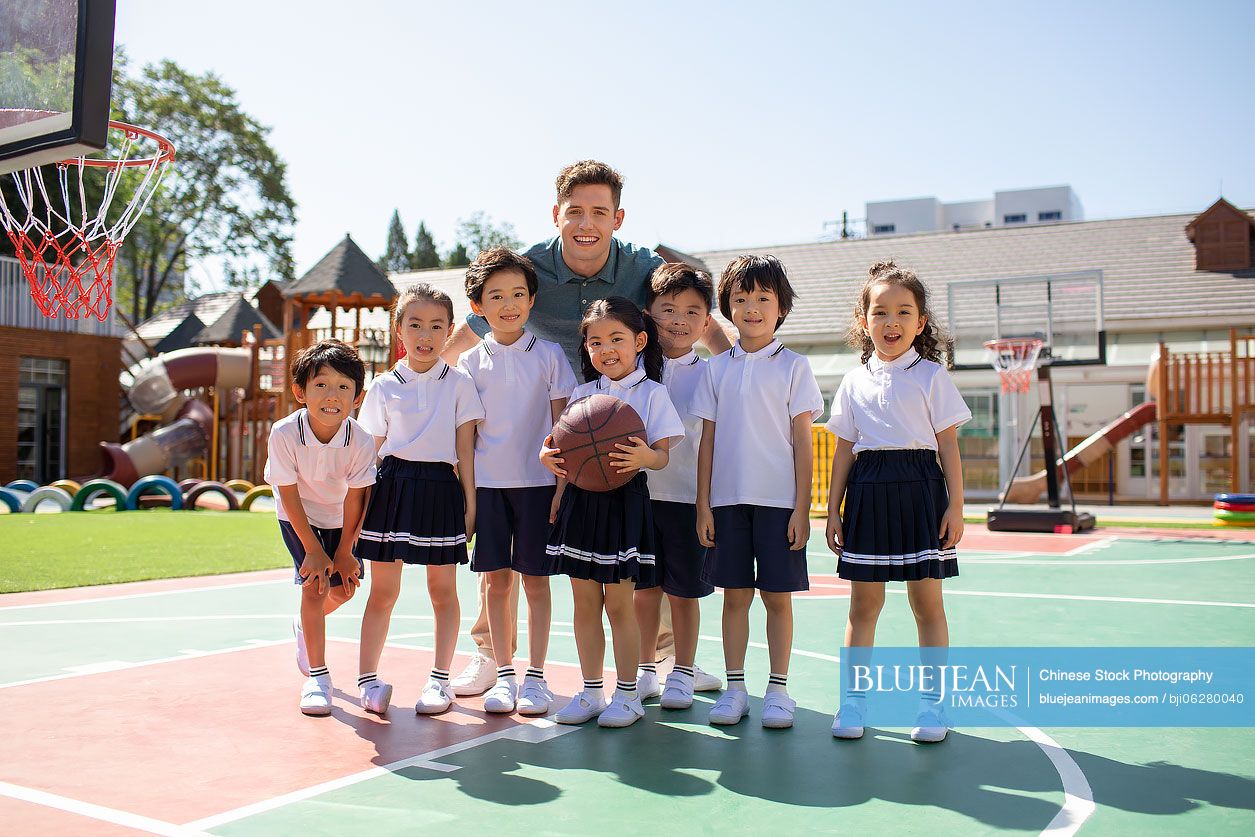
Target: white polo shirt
752	397
677	483
648	398
902	404
418	413
322	473
515	384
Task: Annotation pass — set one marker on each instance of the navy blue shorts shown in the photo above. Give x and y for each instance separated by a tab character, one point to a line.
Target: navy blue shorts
678	555
511	530
749	535
330	540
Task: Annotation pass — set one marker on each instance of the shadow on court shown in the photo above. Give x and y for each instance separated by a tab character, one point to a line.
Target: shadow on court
982	779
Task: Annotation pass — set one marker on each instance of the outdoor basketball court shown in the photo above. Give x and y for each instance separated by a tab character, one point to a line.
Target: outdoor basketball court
170	707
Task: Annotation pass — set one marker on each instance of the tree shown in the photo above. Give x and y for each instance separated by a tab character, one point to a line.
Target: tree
425	254
396	254
225	196
458	257
478	232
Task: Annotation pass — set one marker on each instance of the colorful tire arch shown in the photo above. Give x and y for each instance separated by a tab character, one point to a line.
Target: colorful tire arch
242	486
191	497
156	482
253	494
11	500
23	485
58	495
91	488
69	485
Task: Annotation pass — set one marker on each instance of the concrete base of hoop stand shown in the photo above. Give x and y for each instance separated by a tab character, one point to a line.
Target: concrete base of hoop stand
1052	520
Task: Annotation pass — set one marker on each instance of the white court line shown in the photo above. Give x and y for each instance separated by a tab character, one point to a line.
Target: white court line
96	812
1074	598
1078	796
1090	547
533	732
1065	562
4	608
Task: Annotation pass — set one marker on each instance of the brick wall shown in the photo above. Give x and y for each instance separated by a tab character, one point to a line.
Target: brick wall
93	397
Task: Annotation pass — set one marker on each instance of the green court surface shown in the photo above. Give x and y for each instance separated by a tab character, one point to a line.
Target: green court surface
172	709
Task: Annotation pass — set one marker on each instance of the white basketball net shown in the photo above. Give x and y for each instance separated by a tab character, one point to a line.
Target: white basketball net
1015	358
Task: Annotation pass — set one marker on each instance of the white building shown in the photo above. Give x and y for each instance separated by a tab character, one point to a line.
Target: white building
1011	207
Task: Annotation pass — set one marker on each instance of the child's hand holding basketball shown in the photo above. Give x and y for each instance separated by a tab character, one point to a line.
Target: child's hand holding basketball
634	456
551	458
350	572
316	570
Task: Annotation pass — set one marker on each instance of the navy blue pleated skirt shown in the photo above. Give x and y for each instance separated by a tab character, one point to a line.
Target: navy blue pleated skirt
605	536
417	514
894	504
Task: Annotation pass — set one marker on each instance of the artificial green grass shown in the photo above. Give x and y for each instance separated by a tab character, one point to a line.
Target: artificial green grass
72	549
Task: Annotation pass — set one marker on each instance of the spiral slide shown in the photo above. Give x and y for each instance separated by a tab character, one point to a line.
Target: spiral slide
157	391
1029	489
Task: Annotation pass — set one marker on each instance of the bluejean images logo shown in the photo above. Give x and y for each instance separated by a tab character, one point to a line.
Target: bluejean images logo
1053	687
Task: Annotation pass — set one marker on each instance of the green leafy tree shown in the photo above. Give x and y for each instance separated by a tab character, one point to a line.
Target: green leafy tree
396	255
458	256
225	196
425	254
479	232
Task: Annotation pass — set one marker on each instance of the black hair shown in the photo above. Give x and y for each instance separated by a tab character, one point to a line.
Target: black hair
336	354
424	292
745	273
670	278
492	261
625	311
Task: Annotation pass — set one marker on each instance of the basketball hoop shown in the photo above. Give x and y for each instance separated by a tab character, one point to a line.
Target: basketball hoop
1015	358
67	247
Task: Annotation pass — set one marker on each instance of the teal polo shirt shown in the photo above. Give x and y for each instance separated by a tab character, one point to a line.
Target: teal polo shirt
562	296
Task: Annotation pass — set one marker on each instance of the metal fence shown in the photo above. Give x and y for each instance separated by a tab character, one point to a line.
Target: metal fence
18	310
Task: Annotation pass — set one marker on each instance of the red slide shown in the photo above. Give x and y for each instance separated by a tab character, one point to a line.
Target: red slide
157	390
1029	489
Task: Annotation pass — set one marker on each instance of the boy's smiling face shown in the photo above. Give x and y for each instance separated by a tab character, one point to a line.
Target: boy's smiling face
423	328
892	319
755	314
329	396
505	302
682	318
587	219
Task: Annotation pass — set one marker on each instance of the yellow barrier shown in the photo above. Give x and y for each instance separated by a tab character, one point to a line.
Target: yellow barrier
823	449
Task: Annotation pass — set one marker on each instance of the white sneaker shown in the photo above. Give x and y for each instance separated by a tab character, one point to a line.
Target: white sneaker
316	695
502	697
678	692
535	697
302	653
623	711
375	696
647	684
478	677
931	725
583	707
778	709
436	698
849	721
704	682
730	708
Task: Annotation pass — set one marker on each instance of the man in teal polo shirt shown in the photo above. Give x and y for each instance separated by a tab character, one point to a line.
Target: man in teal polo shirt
584	263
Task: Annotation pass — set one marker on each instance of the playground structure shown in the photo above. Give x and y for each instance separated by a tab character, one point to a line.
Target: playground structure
25	496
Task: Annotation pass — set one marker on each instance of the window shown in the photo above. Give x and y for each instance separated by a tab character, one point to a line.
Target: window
878	229
1014	219
1053	215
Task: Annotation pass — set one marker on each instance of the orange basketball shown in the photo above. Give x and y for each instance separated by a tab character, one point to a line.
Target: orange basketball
587	432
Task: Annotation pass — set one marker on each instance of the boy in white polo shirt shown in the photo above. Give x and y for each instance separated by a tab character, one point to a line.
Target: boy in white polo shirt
320	462
758	400
523	383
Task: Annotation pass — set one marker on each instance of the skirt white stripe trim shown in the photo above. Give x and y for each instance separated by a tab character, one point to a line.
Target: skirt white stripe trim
900	560
413	540
596	557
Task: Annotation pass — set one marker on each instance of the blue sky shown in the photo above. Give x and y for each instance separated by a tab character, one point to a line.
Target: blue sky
736	124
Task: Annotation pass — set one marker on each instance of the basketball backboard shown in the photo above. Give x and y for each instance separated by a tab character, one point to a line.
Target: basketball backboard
56	66
1064	310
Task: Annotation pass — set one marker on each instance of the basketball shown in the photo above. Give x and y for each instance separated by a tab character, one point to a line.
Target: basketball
587	433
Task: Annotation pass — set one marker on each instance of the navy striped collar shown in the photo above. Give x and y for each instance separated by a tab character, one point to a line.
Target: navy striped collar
524	344
907	360
308	438
690	359
769	351
626	382
438	372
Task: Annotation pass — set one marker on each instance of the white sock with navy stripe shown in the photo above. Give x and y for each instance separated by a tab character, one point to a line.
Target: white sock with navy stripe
440	675
679	669
777	682
594	685
365	679
652	668
323	671
628	687
534	674
505	673
736	679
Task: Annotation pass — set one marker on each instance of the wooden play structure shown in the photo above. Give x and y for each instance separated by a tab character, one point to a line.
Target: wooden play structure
1213	387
